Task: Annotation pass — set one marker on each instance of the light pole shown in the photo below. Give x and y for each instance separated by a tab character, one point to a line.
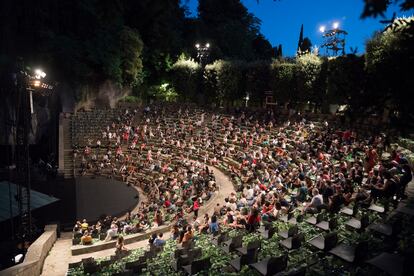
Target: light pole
203	52
334	39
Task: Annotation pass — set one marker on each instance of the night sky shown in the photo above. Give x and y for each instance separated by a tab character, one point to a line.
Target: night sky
281	20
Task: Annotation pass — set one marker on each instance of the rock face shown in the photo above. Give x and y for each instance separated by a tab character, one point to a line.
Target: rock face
47	109
40	119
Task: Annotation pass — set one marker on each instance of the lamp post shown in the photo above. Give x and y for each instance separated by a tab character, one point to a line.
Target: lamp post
334	39
246	98
203	52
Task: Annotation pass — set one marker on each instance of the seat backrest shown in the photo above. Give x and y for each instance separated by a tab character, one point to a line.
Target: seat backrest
188	244
75	265
200	265
364	221
330	240
301	271
195	253
88	260
299	218
253	244
293	230
355	209
223	237
105	263
179	251
319	218
130	265
237	241
297	241
333	223
183	260
277	264
90	267
360	251
272	231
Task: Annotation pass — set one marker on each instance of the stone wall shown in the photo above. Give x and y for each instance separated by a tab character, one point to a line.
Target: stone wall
36	255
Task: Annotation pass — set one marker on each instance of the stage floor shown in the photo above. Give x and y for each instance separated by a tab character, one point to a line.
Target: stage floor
102	196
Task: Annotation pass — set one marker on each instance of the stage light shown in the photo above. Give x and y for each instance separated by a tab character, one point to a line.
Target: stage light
335	25
36	83
39	74
208	45
322	29
197	45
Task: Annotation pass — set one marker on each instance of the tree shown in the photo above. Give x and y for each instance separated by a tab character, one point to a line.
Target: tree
346	80
308	70
131	62
225	79
186	77
283	81
304	44
232	30
257	81
389	59
378	7
161	25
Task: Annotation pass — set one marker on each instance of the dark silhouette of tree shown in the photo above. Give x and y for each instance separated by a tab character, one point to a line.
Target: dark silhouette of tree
232	30
300	41
304	44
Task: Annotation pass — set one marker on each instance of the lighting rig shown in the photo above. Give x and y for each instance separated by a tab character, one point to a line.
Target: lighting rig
27	82
334	39
203	52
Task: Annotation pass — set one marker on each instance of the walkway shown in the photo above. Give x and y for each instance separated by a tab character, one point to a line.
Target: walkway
59	257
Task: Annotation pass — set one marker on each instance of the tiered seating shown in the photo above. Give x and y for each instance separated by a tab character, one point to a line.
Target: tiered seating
284	242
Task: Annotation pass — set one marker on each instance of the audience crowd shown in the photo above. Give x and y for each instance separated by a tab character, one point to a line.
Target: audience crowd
277	165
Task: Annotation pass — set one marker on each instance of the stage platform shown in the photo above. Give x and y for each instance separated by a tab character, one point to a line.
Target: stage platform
96	196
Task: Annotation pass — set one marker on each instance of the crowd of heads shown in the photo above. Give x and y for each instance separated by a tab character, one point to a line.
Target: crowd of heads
277	165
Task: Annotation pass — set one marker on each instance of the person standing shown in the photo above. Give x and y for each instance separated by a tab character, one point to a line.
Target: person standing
196	207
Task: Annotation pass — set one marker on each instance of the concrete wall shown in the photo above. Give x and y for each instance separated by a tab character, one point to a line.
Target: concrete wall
36	255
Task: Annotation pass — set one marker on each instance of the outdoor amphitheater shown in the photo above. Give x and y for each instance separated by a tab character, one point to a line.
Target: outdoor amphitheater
193	191
166	137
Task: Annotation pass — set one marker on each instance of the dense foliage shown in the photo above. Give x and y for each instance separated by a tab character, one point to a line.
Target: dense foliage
130	43
147	47
365	83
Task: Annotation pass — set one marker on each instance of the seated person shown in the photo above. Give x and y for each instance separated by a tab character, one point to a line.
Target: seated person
84	225
159	241
175	232
86	238
188	235
120	246
213	226
302	193
316	202
112	232
77	227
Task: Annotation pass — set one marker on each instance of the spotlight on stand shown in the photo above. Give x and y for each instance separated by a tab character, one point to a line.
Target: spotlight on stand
203	52
334	39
